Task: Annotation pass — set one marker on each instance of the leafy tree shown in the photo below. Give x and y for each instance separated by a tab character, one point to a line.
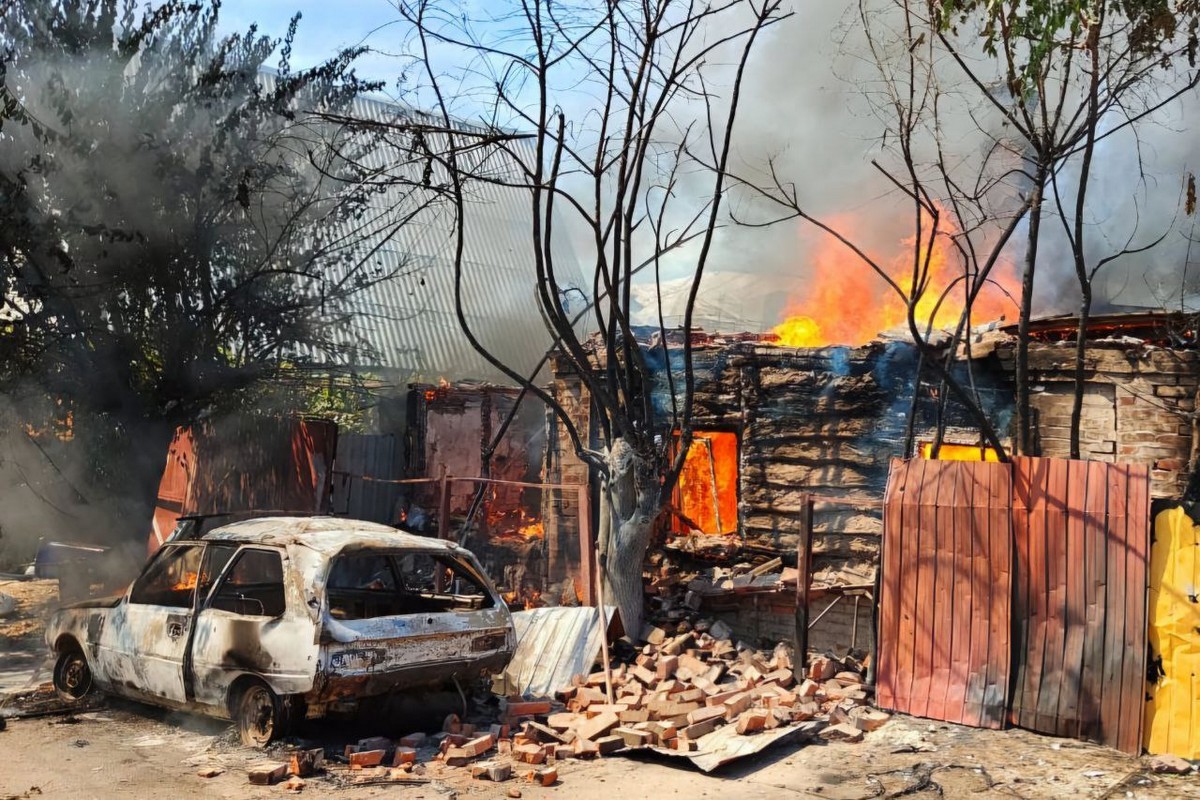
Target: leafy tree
176	225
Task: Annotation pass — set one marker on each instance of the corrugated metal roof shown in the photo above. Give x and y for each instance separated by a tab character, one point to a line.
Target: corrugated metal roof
553	645
407	320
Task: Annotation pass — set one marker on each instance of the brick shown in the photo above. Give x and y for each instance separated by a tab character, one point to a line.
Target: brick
634	737
609	744
597	726
479	745
685	745
751	721
842	733
695	731
690	696
666	666
457	757
735	705
367	758
821	669
605	708
492	771
661	731
414	740
294	784
705	714
306	762
808	688
209	772
644	675
529	753
780	677
546	777
633	715
653	635
528	709
869	719
266	773
585	748
563	720
374	743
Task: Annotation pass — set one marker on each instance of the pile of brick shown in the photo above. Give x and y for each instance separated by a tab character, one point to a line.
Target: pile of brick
680	688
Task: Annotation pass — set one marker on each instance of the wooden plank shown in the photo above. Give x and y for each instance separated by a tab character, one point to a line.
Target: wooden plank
1074	602
962	610
996	693
1136	546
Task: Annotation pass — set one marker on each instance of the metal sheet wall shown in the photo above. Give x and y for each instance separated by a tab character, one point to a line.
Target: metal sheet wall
944	649
1081	530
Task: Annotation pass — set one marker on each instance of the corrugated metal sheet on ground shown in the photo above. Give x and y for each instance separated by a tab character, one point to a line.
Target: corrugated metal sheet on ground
1082	532
725	744
1173	704
944	649
553	645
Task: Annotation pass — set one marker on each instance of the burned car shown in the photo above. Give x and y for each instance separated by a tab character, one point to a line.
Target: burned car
267	621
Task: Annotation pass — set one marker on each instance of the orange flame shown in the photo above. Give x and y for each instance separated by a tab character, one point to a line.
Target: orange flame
959	452
707	487
186	583
847	303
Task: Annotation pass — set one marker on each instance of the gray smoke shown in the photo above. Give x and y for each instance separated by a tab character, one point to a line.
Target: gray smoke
811	103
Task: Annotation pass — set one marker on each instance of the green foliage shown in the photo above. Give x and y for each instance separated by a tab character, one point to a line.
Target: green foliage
1029	34
174	225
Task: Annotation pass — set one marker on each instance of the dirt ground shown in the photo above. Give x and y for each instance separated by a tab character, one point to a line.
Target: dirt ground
131	750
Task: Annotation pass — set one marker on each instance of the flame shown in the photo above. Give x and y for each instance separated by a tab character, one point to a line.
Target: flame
707	488
514	522
847	303
186	583
959	452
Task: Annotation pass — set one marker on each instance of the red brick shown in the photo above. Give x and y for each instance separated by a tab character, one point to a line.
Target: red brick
367	758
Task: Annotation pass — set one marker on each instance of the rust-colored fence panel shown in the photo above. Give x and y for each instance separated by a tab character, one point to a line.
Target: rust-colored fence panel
1081	532
944	649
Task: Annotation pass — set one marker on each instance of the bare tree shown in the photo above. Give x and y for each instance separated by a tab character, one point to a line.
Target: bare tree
1065	75
662	82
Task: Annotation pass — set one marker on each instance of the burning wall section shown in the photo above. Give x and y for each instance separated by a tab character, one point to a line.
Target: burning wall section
820	421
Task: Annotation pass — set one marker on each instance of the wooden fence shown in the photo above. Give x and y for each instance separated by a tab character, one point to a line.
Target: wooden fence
1067	542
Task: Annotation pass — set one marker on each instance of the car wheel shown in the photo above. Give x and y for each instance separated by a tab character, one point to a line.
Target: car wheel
72	675
260	715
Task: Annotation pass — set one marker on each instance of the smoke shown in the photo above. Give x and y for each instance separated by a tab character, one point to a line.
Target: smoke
813	103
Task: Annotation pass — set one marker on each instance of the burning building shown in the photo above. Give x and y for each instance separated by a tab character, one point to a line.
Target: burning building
777	424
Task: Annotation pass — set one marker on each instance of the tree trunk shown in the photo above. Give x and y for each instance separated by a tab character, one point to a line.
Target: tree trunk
1085	311
627	513
1024	443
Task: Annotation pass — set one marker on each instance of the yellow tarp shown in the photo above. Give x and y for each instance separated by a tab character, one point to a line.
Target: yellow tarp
1173	707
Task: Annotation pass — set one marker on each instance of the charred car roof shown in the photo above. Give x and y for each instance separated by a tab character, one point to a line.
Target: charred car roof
325	535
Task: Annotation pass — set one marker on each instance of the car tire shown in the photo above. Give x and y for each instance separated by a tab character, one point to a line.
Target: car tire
72	675
261	715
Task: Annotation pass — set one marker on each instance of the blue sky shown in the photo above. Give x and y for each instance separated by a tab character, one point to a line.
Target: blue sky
326	26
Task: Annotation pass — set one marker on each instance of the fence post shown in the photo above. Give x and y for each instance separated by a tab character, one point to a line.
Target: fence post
587	547
803	570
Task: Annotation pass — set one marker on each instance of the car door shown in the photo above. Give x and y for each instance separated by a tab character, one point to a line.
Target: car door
142	647
249	624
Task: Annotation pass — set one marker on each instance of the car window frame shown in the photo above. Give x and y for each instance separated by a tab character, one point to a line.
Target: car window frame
219	583
160	554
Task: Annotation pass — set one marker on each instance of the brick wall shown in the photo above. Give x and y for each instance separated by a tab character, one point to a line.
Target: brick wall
1137	406
771	618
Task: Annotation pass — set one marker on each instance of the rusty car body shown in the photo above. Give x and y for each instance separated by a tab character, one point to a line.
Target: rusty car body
266	621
